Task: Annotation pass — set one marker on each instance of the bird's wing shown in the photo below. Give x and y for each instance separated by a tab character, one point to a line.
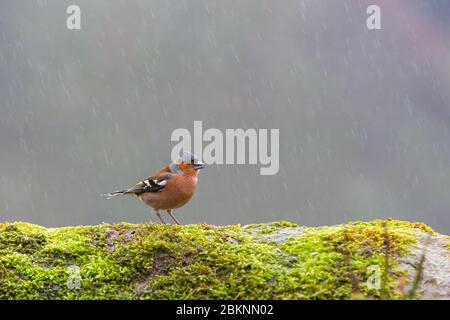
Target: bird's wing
152	184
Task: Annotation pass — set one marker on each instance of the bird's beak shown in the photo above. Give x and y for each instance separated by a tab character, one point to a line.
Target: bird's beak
199	165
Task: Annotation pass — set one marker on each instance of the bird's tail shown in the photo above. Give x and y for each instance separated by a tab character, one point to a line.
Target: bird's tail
117	193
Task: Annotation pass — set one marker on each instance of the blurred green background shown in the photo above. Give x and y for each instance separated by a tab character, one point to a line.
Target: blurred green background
363	115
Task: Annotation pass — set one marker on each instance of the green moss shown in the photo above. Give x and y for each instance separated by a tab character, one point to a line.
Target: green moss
151	261
266	228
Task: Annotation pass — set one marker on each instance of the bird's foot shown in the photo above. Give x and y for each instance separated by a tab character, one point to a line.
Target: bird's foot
173	217
160	218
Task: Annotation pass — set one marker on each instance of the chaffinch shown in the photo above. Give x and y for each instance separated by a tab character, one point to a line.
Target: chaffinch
169	188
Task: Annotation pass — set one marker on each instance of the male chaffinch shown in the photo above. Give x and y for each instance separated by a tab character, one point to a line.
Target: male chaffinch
169	188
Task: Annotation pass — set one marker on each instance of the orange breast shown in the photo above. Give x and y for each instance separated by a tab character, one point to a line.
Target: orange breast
178	191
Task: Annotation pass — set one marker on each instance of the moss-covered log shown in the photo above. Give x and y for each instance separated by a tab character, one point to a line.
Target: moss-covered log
280	260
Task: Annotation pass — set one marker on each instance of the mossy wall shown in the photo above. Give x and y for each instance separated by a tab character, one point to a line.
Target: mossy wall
150	261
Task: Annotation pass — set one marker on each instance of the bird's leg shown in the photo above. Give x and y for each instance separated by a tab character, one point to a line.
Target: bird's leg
160	218
173	217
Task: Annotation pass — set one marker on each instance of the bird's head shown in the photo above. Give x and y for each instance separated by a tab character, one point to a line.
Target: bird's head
189	163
